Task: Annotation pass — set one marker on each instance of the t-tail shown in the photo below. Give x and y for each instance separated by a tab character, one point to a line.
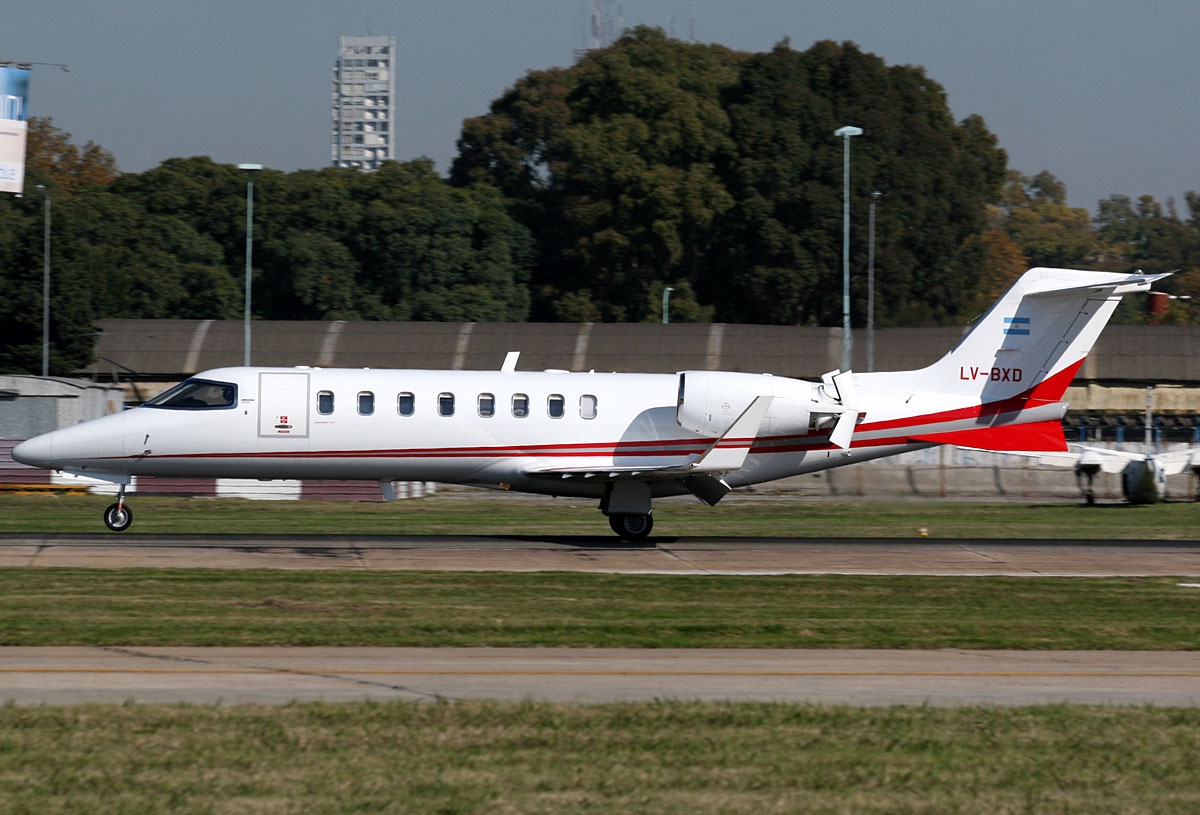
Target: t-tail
1001	387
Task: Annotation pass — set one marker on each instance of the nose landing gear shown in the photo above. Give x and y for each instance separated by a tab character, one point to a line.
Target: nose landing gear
118	517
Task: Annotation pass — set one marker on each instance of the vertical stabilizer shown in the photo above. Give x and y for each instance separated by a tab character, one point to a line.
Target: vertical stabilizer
1035	337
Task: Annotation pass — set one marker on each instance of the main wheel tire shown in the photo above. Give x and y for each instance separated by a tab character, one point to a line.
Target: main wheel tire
631	527
118	517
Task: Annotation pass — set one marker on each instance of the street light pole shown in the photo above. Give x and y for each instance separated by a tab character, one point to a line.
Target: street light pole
666	299
871	286
250	169
846	133
45	280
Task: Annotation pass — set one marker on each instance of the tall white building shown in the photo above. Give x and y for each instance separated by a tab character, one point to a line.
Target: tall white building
364	102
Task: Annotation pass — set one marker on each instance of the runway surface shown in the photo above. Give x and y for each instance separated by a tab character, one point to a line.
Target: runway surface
607	554
30	676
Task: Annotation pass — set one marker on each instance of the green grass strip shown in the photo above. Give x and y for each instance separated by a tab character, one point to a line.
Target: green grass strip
142	607
499	514
661	757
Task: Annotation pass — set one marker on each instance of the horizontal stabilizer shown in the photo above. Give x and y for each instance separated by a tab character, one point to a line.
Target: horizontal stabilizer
1038	437
1130	284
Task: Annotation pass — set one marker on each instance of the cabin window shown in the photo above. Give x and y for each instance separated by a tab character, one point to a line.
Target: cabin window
325	402
487	405
405	404
366	403
587	406
445	404
197	394
556	405
520	405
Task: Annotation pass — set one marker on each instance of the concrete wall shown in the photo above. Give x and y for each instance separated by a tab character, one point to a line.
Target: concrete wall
171	347
1113	380
30	405
176	348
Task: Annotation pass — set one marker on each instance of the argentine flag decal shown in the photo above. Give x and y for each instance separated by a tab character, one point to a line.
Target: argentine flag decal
1016	325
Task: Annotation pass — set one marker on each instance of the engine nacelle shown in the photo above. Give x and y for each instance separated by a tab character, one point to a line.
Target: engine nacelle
711	401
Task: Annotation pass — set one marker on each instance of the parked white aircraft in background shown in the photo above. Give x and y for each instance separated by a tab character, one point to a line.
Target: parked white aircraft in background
1143	476
622	439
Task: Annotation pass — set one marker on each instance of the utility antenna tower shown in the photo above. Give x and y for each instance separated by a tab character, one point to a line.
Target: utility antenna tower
603	22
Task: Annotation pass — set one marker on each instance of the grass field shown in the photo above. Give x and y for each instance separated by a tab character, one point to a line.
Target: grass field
658	757
57	606
498	514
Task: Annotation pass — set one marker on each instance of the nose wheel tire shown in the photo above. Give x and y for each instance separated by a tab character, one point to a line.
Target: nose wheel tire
118	517
631	527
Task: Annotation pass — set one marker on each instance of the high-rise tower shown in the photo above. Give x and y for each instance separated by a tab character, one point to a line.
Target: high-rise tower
603	21
364	102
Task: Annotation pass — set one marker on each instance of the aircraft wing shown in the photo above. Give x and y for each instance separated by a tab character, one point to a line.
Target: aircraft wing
1177	461
1113	461
723	455
1110	461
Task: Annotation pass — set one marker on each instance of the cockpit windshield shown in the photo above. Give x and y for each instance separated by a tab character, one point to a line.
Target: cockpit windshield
197	394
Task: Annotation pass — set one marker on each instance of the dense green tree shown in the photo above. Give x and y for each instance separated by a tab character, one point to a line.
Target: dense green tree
613	164
655	161
1034	213
433	252
783	240
51	158
21	278
1143	236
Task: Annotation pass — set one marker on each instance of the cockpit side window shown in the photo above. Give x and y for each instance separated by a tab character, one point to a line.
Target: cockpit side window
197	394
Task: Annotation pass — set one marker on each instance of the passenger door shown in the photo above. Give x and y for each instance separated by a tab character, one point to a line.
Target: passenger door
283	404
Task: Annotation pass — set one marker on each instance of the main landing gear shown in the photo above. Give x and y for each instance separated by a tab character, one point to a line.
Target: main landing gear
631	526
1089	492
118	517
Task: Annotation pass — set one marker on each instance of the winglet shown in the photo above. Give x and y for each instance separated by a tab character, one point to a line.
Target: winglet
510	362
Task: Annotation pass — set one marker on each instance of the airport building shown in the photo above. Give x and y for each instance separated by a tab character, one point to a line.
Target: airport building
364	102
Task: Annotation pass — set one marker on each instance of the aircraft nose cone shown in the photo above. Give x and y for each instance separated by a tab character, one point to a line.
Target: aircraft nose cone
35	452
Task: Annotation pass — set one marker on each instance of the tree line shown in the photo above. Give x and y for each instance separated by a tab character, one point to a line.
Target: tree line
579	196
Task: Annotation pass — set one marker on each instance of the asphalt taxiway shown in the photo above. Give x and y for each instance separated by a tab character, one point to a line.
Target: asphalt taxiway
692	555
30	676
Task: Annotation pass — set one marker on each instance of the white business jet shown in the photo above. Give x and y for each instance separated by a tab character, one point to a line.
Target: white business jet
622	439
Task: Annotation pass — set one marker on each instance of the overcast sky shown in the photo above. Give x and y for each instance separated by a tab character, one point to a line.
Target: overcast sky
1100	92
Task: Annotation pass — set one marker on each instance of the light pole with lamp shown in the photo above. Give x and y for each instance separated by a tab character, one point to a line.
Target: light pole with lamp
666	299
871	285
846	133
250	170
45	279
